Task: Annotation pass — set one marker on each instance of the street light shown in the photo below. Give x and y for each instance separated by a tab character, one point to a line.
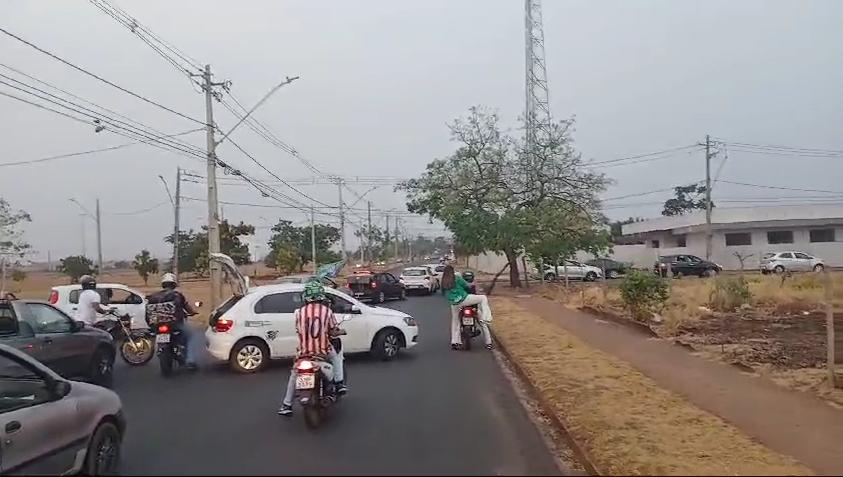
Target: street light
99	229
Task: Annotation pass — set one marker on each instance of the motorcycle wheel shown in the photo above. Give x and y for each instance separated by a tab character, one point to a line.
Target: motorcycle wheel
165	359
466	339
313	415
140	356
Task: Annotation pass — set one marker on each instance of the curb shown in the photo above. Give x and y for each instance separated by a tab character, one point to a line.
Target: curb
547	409
620	319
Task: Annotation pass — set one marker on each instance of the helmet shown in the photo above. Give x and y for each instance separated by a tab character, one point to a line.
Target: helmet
314	291
88	282
468	276
169	278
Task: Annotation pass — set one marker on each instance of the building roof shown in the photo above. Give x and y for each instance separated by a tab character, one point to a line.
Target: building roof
743	217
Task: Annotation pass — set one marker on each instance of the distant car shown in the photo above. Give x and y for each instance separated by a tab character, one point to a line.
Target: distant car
418	279
53	426
256	324
613	268
438	269
70	348
127	301
790	261
680	265
376	287
575	271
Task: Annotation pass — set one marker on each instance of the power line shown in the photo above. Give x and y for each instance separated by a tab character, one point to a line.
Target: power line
141	211
639	156
100	78
762	186
639	194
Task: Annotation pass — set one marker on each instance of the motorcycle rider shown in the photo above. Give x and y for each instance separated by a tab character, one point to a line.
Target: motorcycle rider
90	301
458	293
174	307
315	326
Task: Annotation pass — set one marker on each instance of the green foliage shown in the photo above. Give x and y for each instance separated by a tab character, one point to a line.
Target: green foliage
688	198
75	266
18	275
145	265
493	195
287	259
193	246
287	235
643	293
12	245
729	293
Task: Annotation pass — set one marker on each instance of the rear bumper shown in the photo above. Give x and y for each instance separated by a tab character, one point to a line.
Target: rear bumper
219	344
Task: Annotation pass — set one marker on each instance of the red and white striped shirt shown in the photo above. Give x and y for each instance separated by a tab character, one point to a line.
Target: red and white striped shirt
314	321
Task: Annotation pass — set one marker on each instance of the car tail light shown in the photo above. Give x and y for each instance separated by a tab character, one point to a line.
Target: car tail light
305	366
223	325
54	297
163	329
374	284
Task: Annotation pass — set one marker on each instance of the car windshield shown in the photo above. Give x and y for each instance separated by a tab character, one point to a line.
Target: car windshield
768	255
414	272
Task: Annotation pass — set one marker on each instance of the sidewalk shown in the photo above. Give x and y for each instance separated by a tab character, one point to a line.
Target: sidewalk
790	422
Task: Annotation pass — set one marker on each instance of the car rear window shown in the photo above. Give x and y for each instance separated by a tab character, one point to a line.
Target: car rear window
414	273
360	279
222	309
768	255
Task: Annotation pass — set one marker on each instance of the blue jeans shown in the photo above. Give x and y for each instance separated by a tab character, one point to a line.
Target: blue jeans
190	338
336	360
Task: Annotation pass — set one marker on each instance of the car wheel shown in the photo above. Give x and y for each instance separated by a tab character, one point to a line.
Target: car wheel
550	277
590	276
380	298
103	456
403	295
613	274
386	345
819	267
710	272
249	356
779	269
102	367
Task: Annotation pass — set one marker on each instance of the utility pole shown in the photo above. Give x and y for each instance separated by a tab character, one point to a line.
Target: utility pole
176	229
369	232
313	238
342	219
396	237
213	210
99	240
707	197
49	261
386	248
84	241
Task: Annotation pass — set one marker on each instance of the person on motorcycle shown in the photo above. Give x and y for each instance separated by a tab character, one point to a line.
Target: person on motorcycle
458	293
90	301
179	308
315	326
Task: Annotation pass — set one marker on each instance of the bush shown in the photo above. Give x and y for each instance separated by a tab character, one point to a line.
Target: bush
729	294
643	293
18	275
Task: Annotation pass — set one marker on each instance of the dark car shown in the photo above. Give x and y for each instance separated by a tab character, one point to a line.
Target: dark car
680	265
375	286
70	348
611	268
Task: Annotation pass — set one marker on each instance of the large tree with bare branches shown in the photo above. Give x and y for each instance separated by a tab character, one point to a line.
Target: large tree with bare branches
495	196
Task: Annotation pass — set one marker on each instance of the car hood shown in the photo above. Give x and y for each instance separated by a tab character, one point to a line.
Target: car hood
376	310
106	400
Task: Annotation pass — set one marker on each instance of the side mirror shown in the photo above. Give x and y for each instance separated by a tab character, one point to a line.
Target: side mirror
355	310
59	389
77	326
198	304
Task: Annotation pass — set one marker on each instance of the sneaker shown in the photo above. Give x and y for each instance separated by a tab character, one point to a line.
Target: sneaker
342	389
456	347
285	410
489	346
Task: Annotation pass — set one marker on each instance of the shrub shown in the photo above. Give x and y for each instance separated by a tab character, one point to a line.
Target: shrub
729	294
18	275
643	293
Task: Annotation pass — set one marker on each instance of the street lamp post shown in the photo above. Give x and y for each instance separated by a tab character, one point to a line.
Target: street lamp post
97	221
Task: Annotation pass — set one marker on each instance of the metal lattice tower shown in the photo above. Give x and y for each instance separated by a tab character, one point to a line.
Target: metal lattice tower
537	111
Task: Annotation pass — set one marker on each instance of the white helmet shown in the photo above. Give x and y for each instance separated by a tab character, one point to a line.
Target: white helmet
169	278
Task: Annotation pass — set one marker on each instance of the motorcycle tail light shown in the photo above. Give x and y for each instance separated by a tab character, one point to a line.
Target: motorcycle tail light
222	325
54	297
163	329
374	284
468	311
305	366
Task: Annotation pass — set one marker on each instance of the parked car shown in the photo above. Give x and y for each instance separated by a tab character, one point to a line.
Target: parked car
574	269
70	348
125	300
790	261
613	268
680	265
376	287
419	279
256	324
53	426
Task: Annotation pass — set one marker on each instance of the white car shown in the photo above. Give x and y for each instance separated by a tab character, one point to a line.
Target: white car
790	261
575	271
257	324
437	269
419	279
125	300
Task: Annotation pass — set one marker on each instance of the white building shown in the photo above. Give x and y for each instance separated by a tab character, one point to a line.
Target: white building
813	229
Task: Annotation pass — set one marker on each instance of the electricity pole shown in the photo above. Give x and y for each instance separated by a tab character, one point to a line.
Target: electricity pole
99	239
386	248
369	232
177	227
313	238
396	237
707	197
213	209
342	219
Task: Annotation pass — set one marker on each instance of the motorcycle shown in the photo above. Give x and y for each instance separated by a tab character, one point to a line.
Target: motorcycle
315	387
171	343
135	345
469	326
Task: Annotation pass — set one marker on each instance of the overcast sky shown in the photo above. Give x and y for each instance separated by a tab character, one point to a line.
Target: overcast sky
380	80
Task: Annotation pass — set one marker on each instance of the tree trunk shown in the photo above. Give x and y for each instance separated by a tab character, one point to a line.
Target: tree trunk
514	276
495	279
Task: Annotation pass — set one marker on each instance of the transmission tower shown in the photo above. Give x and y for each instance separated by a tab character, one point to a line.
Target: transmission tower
537	110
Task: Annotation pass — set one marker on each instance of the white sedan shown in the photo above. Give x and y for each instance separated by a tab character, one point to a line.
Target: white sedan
257	324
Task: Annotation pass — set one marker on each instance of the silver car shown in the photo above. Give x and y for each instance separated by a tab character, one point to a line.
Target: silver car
575	271
779	262
52	426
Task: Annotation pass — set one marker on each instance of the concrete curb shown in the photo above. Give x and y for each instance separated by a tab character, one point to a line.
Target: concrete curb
547	409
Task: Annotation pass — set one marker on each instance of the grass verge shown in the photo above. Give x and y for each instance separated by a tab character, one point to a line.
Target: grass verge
623	420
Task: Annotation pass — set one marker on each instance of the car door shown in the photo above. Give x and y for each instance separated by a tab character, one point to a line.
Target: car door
127	302
785	259
802	261
393	284
355	324
274	320
34	424
575	269
54	334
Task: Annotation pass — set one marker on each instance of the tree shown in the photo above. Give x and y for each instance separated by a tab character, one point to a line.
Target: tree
12	245
287	259
193	246
688	198
145	265
285	234
491	192
75	266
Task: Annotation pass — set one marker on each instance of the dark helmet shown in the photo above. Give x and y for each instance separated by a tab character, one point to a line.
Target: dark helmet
468	276
88	282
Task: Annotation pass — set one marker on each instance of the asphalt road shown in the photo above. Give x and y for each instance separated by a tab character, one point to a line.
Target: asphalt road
431	411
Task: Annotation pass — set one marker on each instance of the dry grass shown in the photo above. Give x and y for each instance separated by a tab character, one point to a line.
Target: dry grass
811	380
624	421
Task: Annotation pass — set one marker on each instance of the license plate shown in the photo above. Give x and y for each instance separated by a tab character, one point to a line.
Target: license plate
305	381
467	320
164	338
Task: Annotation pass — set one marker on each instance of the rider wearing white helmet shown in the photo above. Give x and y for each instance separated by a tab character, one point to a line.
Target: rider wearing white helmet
171	305
89	301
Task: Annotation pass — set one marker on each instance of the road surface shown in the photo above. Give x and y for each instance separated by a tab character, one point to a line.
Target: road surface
431	411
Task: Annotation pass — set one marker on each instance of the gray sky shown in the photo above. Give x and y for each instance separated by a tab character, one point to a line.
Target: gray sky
380	79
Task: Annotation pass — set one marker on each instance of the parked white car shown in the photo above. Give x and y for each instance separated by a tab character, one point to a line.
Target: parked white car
575	271
419	279
113	295
437	269
790	261
257	324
